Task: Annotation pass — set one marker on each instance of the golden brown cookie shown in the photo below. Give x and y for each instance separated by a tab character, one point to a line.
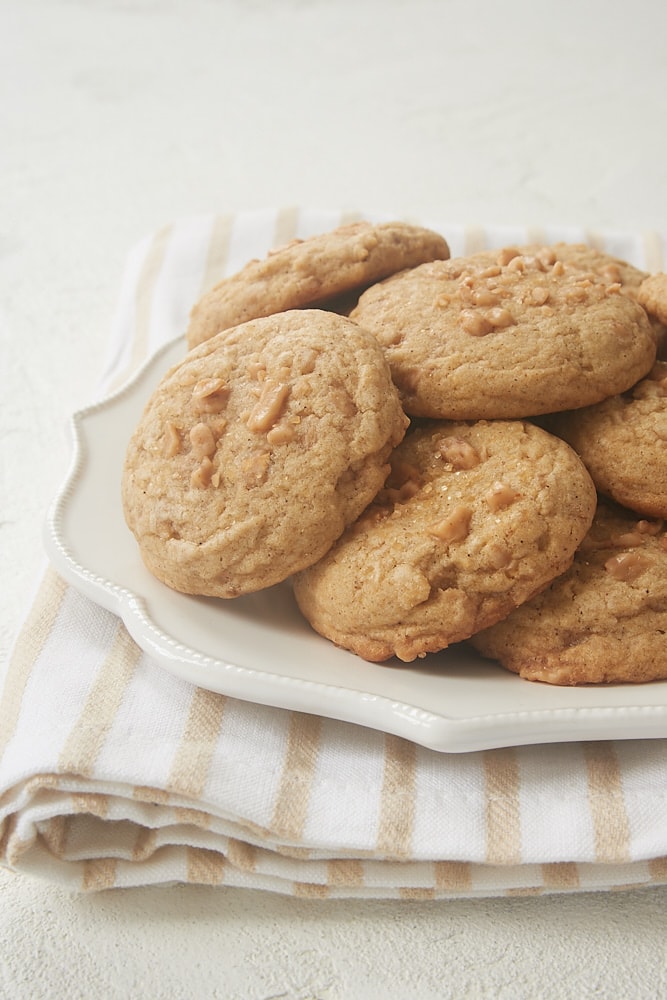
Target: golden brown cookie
256	451
623	443
617	271
652	295
506	334
312	272
602	621
475	518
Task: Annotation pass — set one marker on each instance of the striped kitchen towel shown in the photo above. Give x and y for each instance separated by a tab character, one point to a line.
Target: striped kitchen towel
114	772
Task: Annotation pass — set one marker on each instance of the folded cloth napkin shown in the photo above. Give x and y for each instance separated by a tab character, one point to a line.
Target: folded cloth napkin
115	773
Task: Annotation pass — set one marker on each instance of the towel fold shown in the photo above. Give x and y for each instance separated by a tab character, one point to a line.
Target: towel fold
115	773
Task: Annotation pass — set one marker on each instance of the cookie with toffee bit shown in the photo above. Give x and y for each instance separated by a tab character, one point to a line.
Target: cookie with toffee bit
314	271
623	443
507	334
475	518
256	451
652	295
604	620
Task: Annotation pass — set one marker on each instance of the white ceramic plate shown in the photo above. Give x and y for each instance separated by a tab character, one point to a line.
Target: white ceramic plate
260	649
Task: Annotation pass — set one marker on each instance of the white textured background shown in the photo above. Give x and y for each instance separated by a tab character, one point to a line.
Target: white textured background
117	116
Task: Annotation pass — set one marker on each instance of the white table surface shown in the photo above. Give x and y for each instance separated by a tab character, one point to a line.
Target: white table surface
117	116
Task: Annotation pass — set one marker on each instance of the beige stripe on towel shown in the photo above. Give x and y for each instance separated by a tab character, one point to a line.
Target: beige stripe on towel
453	876
241	854
560	875
205	867
54	835
218	251
345	872
595	240
536	235
654	259
657	868
193	756
285	226
291	805
348	217
29	645
474	240
92	727
144	303
99	873
502	807
311	890
91	803
606	803
397	802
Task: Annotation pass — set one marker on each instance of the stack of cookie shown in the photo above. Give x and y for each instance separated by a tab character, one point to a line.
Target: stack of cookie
432	450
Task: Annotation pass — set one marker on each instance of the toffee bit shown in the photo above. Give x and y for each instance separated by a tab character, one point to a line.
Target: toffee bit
453	528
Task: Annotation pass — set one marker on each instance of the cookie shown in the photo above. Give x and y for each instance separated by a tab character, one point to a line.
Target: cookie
616	271
507	334
629	279
652	294
475	518
603	621
623	443
312	272
256	451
